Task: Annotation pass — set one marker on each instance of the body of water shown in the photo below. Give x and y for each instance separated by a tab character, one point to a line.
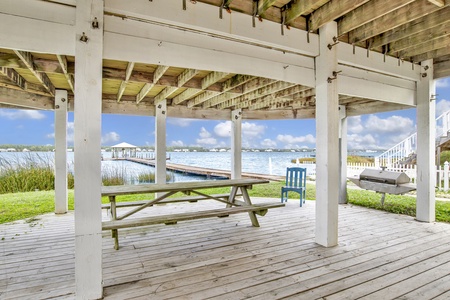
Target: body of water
274	163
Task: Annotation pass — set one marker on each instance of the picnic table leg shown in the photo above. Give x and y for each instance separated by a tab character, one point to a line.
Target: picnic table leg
247	200
232	196
114	232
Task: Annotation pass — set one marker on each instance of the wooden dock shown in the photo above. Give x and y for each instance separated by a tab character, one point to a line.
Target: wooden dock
207	172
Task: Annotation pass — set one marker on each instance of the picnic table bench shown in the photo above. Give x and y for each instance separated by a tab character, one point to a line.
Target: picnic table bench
238	187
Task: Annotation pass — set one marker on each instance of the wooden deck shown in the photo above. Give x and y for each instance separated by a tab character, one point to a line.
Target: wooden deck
380	256
207	172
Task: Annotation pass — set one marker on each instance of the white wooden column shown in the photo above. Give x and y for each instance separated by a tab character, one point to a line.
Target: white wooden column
343	154
160	141
327	141
236	144
61	203
87	154
426	131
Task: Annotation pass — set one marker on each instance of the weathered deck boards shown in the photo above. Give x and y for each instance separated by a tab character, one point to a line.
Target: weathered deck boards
380	256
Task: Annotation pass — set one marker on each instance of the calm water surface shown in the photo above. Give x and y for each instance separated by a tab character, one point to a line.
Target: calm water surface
254	162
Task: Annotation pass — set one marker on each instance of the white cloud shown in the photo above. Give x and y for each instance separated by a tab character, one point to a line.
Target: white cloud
268	143
180	121
206	138
21	114
252	130
178	143
223	129
110	137
354	124
289	139
378	133
443	82
442	106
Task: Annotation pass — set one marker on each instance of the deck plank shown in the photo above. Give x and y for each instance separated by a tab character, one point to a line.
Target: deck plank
380	256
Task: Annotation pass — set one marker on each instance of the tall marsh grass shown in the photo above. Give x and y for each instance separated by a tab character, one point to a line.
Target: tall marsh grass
34	172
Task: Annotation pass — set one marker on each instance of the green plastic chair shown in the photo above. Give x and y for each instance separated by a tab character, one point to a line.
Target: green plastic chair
295	182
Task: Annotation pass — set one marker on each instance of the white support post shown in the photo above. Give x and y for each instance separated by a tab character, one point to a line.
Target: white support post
160	141
61	202
327	131
236	144
426	131
87	154
343	154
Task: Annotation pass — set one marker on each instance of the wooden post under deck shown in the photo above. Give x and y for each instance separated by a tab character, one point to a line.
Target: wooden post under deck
87	143
426	131
327	132
236	144
160	142
61	201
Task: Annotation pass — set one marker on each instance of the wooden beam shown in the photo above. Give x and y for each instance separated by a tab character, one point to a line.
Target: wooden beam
166	92
403	15
245	100
187	75
423	37
28	60
368	12
424	23
187	94
264	5
439	3
212	78
332	10
248	87
159	72
15	77
432	54
123	84
435	44
282	96
304	7
207	81
23	99
442	69
228	85
62	59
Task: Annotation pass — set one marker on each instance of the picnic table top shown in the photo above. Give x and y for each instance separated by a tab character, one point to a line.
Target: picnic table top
177	186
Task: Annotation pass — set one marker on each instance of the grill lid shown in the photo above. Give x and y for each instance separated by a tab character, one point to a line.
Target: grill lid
382	176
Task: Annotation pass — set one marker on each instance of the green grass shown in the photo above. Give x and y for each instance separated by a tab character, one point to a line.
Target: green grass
19	206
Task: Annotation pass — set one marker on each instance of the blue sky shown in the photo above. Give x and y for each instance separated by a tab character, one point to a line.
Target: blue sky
375	131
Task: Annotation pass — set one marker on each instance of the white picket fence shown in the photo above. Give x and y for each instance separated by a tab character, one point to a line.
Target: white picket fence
442	173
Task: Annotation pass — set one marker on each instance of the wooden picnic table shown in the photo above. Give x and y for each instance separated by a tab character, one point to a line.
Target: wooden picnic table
238	187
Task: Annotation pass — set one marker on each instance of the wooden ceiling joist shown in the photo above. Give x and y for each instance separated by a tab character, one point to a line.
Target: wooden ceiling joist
427	22
432	54
299	8
264	5
13	76
439	3
247	88
228	85
246	100
368	12
423	37
28	60
123	84
159	72
62	59
426	47
332	10
401	16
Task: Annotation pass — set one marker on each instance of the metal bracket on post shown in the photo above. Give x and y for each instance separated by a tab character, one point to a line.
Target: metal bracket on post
255	12
335	42
335	74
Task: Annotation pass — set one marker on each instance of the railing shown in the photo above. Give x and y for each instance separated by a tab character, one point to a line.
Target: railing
408	146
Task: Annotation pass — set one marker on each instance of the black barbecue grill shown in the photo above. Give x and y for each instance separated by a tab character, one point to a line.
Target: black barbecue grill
383	182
